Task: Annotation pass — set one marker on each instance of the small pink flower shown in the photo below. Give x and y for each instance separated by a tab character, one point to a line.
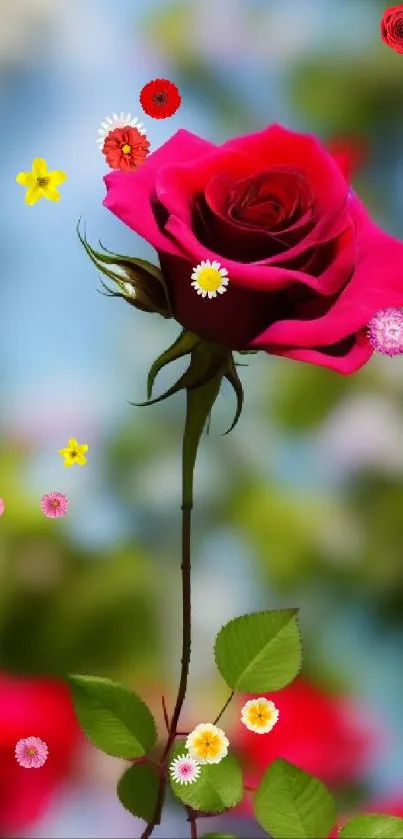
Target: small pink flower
184	769
385	332
1	506
54	505
31	752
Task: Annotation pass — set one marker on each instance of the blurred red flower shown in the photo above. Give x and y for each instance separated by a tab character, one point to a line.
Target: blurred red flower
39	708
387	806
349	152
320	733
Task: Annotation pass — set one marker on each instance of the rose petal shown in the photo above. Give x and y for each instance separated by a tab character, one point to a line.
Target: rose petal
378	255
206	317
244	156
129	193
350	362
262	276
245	242
177	186
277	146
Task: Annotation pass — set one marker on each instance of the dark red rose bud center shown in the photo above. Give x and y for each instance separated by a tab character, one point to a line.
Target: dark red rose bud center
256	217
271	201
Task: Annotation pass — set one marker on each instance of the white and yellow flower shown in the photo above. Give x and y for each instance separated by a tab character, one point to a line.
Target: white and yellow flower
115	121
209	278
207	743
184	769
259	715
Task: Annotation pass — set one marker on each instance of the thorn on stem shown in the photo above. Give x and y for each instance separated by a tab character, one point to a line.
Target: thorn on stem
164	709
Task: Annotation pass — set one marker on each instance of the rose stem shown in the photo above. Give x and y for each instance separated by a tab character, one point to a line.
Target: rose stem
186	645
199	402
192	821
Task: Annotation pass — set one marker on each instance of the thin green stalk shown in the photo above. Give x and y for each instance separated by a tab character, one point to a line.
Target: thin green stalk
224	708
199	402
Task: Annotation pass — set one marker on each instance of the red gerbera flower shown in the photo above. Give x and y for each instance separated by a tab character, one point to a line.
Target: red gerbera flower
160	98
125	148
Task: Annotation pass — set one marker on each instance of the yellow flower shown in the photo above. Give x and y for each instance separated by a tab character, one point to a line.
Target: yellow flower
74	453
207	743
40	182
259	715
209	278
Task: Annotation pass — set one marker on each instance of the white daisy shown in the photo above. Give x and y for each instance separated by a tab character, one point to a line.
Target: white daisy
115	121
207	743
259	715
184	769
209	278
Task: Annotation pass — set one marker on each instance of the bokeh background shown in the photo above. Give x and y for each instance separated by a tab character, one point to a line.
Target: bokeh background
302	505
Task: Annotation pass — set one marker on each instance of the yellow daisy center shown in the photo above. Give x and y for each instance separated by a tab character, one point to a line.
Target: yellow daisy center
209	279
260	715
55	503
41	182
208	745
31	751
126	149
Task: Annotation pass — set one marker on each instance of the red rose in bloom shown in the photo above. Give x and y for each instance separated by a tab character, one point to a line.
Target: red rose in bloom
125	148
392	28
317	732
160	98
307	268
40	709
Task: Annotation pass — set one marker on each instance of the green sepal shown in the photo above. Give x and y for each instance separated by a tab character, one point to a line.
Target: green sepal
208	362
183	345
234	380
151	291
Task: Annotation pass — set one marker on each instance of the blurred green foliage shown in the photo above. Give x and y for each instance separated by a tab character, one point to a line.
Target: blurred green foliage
61	608
355	95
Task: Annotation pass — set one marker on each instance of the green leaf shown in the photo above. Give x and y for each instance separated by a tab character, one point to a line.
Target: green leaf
373	826
259	652
290	803
218	787
114	718
138	791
